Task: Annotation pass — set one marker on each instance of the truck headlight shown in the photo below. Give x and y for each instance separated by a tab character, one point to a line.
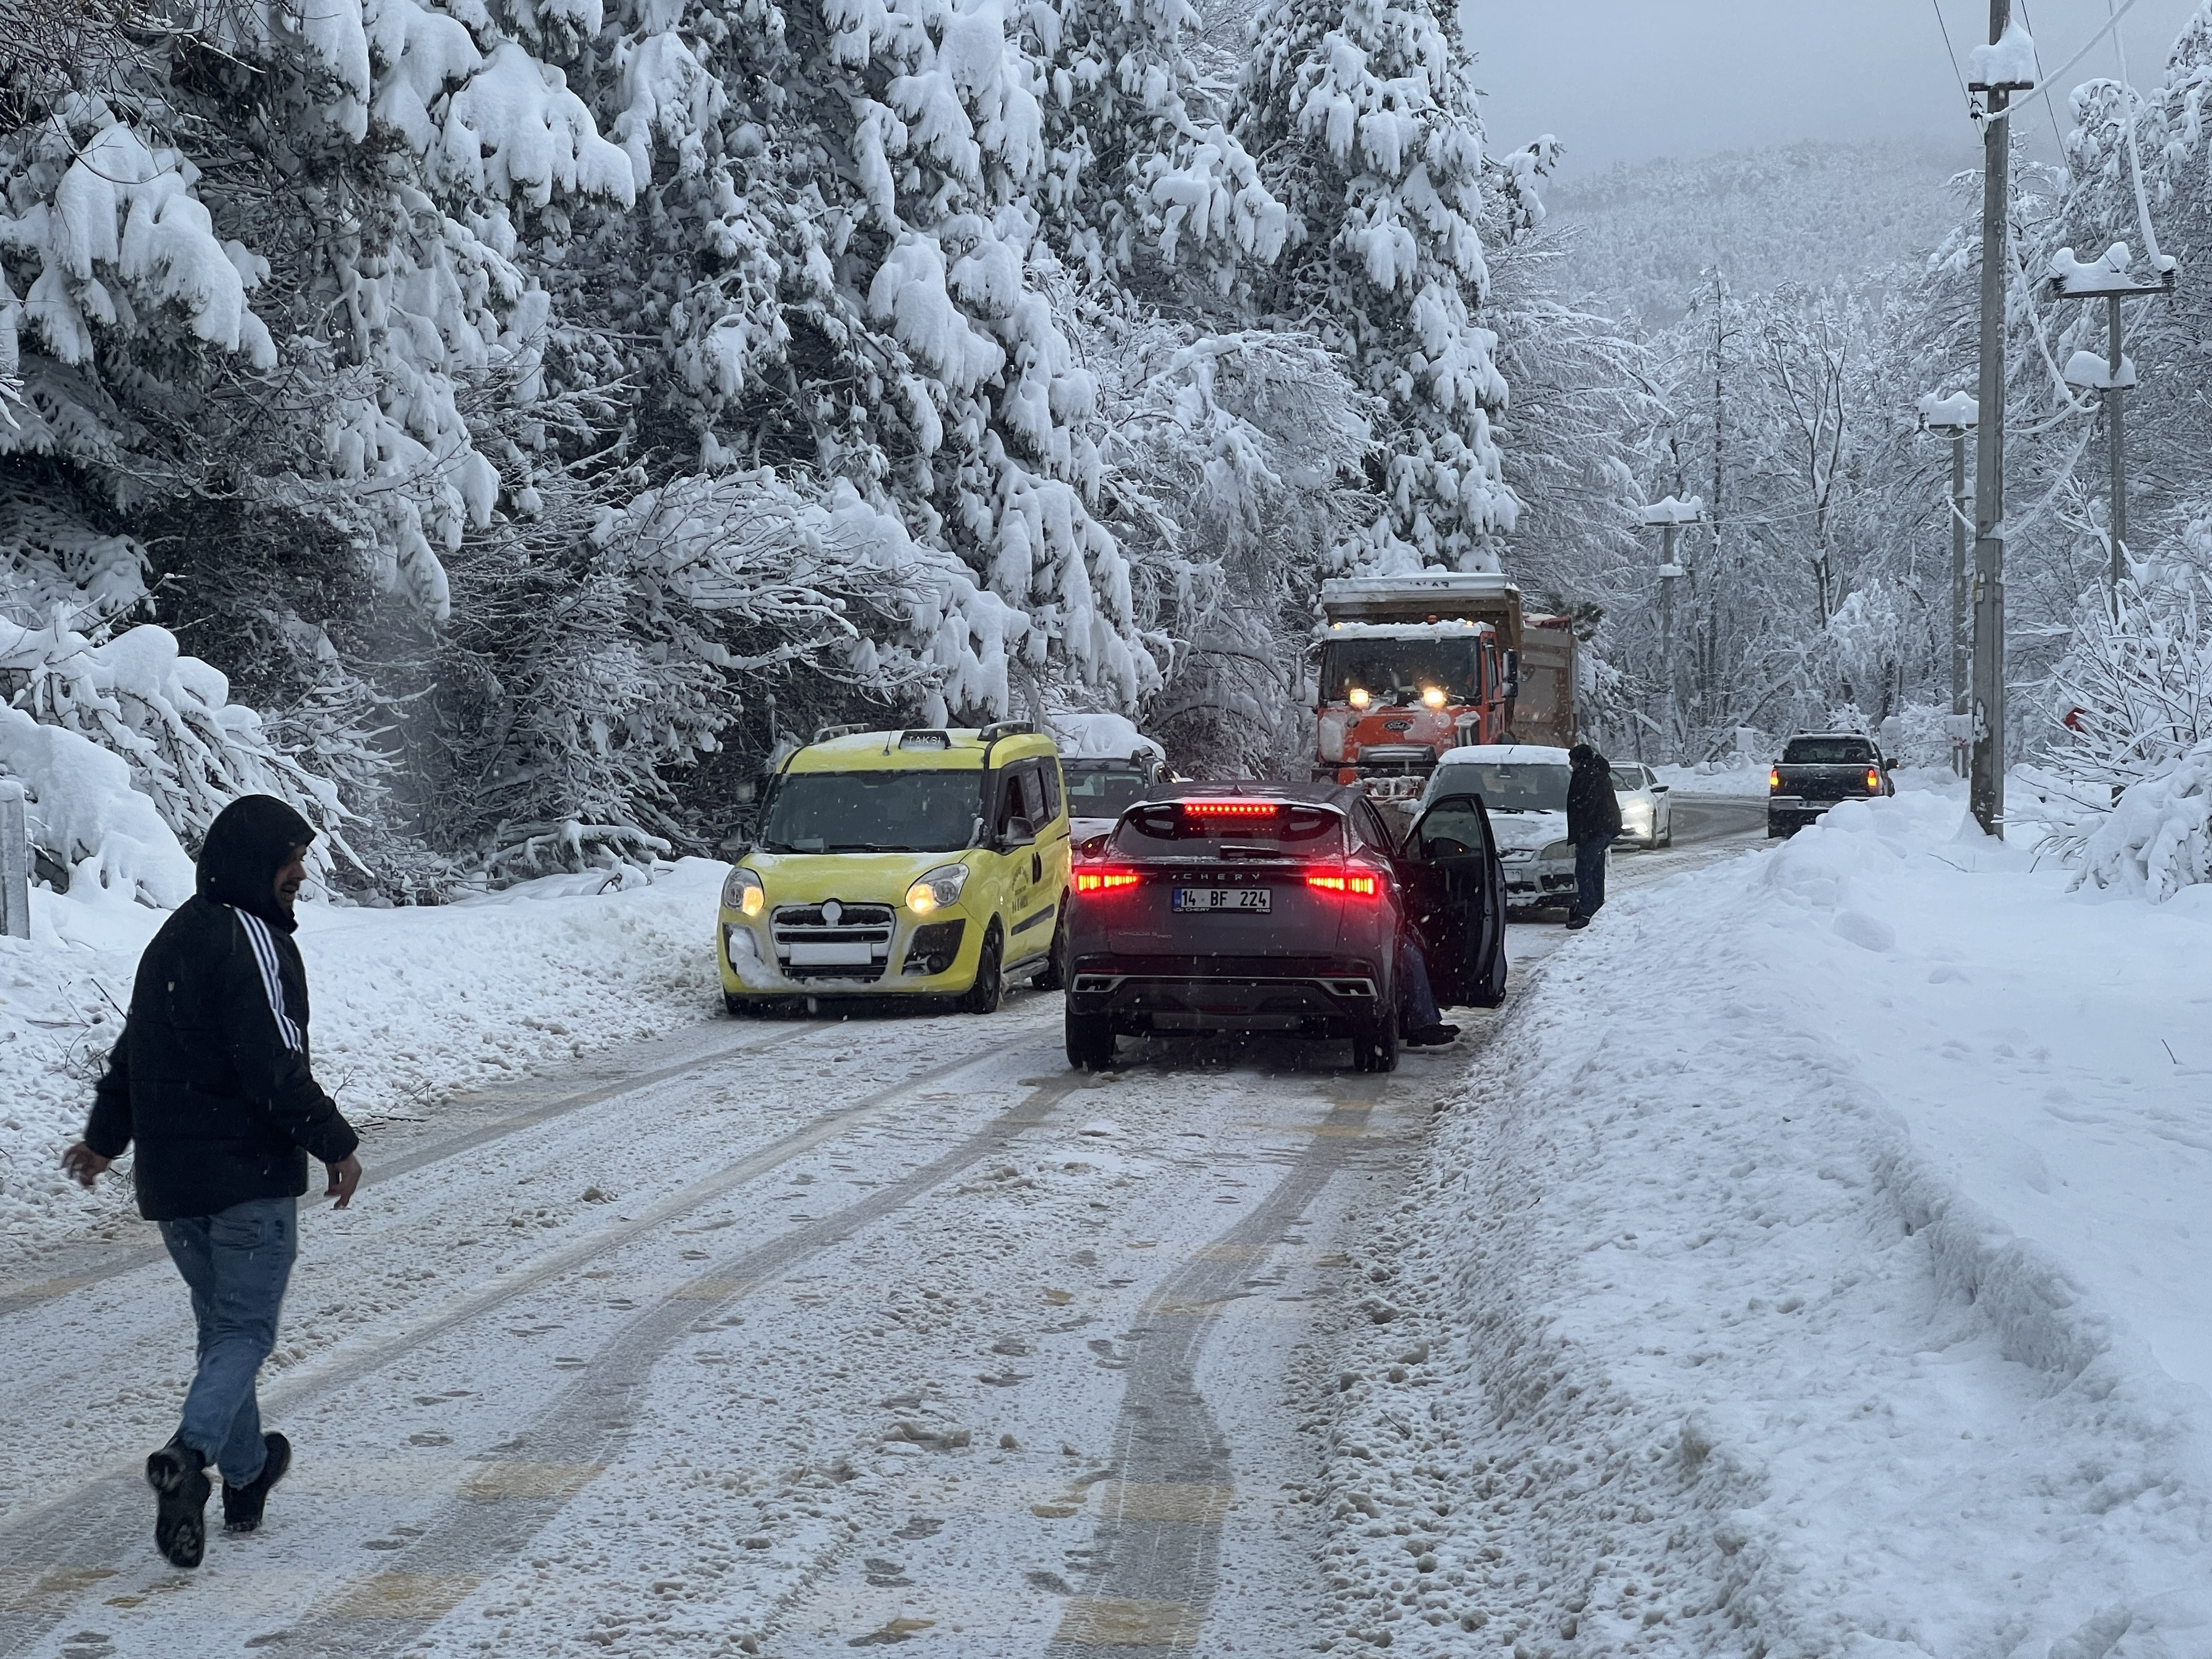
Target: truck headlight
741	891
940	887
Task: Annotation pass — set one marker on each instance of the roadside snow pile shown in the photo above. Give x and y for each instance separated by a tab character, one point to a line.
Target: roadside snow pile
409	1005
2157	840
1852	1297
1725	781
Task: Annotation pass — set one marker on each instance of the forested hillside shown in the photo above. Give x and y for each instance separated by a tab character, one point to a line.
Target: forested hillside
1809	213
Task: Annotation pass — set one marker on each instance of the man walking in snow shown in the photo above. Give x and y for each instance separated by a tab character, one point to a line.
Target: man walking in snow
1592	820
211	1078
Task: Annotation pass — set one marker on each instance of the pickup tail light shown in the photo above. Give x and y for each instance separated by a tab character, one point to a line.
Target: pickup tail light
1773	779
1873	780
1359	883
1103	881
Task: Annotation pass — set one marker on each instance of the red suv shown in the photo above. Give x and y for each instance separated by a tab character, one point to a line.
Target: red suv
1279	907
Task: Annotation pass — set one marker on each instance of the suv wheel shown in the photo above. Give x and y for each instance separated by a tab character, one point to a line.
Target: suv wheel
1090	1042
1376	1049
982	997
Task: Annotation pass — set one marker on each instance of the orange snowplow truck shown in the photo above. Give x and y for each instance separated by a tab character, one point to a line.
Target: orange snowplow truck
1412	667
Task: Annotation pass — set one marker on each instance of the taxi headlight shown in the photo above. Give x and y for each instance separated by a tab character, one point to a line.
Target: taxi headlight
940	887
742	891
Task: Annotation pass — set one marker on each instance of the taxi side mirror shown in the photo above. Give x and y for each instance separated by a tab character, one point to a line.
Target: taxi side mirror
1019	832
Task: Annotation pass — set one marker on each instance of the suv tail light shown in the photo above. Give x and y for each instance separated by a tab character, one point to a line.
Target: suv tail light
1104	880
1341	878
1230	809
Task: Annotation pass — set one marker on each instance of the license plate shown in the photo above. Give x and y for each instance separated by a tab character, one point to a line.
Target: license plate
839	953
1259	899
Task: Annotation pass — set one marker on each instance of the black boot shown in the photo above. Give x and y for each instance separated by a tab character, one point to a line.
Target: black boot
1431	1036
242	1506
177	1475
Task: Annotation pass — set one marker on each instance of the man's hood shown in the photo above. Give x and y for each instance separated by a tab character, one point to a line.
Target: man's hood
251	840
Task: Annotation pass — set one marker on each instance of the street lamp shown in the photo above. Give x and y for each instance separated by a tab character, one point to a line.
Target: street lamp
1955	417
1669	515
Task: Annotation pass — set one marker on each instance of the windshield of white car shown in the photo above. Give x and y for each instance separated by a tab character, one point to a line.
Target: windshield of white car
1627	778
1507	787
918	811
1101	792
1827	751
1396	672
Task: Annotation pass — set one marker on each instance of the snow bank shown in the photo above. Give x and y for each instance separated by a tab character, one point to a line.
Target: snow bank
1724	781
2157	839
1846	1299
409	1005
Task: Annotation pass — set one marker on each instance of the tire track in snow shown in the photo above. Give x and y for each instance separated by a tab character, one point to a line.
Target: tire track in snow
112	1262
1156	1551
511	1497
62	1549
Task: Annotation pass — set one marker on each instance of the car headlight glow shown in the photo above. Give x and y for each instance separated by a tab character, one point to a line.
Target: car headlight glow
742	891
1434	696
940	887
1357	698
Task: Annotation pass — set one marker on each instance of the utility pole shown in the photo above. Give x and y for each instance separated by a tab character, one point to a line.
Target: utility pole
2004	67
1670	515
2110	280
1955	417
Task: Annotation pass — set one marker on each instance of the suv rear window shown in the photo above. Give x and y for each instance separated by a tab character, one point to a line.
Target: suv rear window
1230	830
1827	751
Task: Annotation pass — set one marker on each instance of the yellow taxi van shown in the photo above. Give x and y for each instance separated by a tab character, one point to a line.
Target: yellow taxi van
927	862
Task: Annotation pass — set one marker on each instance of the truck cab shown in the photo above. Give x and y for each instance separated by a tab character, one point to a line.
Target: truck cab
1412	667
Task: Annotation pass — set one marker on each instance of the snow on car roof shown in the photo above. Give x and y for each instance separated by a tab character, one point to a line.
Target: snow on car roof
1494	754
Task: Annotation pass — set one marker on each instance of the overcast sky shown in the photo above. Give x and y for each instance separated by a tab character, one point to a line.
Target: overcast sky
1628	80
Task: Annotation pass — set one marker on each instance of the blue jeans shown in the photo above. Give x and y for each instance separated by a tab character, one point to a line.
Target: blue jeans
237	1262
1417	998
1589	876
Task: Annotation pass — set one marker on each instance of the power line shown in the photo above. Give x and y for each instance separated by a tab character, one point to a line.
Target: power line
2058	137
1957	74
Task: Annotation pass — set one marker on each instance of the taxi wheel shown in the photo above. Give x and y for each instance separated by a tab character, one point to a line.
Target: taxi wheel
1052	976
982	997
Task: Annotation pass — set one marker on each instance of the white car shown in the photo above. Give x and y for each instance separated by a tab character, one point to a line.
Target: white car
1524	787
1646	817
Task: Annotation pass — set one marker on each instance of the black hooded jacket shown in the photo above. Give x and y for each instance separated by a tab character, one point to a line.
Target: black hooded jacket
209	1077
1593	810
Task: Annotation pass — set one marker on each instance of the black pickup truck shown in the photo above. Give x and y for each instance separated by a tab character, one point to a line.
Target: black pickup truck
1816	770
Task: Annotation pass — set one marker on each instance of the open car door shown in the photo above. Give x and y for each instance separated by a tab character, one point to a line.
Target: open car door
1451	866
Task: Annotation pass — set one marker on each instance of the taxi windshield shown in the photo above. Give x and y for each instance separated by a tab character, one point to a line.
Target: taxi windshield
918	811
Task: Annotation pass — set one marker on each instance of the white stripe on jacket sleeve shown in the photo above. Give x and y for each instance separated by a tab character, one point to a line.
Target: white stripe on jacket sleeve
272	982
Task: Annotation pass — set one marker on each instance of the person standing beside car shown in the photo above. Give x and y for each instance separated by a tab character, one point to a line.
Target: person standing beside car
210	1079
1593	821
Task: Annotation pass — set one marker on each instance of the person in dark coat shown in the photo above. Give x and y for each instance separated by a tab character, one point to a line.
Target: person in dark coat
1593	821
210	1079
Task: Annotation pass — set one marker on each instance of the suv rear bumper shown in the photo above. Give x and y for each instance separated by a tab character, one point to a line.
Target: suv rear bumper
1321	999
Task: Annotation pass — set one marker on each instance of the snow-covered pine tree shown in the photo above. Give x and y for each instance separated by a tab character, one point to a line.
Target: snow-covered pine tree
1363	119
1138	161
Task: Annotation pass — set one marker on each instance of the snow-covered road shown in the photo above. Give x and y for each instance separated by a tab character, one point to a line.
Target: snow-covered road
818	1332
769	1337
